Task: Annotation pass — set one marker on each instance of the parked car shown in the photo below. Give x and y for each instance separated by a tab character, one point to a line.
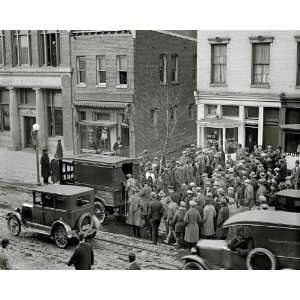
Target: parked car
263	240
60	211
104	173
288	200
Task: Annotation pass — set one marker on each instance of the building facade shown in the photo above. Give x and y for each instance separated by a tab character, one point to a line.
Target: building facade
243	78
35	87
126	84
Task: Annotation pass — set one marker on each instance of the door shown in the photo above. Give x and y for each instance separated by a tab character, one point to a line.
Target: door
251	137
28	123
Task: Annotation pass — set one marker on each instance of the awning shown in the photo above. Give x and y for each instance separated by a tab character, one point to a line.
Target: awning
98	123
290	126
219	123
101	104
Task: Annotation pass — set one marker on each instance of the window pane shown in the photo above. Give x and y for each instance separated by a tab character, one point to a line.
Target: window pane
6	121
251	112
211	109
122	63
14	50
81	63
1	50
102	77
123	77
101	63
219	61
41	49
230	111
24	46
58	121
82	76
82	115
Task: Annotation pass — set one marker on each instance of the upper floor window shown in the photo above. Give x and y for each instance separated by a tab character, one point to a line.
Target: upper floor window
174	68
218	63
21	48
55	113
163	69
194	68
82	115
211	110
101	70
261	63
251	112
81	69
4	111
101	116
2	48
230	110
298	64
122	70
49	48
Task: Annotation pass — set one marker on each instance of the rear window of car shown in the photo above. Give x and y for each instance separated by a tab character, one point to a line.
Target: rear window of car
83	200
60	203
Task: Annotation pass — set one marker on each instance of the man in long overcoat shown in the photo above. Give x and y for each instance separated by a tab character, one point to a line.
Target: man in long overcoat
209	214
155	214
45	166
145	195
249	194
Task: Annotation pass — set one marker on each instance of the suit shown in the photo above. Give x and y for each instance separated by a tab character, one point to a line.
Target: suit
296	177
155	214
83	257
134	266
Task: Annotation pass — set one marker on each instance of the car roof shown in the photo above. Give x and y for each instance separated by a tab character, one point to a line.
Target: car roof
291	193
100	158
58	189
274	217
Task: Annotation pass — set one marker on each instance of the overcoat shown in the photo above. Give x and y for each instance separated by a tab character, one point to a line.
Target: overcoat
178	220
192	220
135	216
45	166
209	213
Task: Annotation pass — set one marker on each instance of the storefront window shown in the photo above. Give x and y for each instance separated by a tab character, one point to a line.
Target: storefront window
231	139
230	111
211	110
293	116
213	137
251	113
292	142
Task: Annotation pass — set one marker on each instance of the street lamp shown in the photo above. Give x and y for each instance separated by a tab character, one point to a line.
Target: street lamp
34	134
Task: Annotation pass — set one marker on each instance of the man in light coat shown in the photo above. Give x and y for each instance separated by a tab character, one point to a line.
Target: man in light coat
209	213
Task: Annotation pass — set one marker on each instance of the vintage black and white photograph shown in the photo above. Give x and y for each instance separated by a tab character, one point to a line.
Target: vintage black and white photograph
149	149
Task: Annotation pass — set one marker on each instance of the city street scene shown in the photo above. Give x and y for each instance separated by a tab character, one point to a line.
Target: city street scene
149	150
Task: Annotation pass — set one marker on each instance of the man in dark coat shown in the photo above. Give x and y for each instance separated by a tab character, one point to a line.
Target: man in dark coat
83	256
45	166
59	150
155	214
55	169
133	264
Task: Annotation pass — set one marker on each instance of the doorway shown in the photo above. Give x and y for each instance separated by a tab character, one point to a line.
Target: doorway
28	123
251	134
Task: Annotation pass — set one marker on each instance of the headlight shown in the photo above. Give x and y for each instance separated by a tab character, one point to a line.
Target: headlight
194	250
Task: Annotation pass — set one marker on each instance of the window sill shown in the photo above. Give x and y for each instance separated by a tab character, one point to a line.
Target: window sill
81	84
101	85
163	83
174	82
121	86
260	85
218	85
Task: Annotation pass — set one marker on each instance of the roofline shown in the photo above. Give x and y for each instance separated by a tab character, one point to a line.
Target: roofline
177	35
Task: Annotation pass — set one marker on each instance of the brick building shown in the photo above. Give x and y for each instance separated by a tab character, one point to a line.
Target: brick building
126	83
35	87
244	79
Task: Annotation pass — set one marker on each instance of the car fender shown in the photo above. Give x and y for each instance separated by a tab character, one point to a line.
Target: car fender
196	259
16	214
66	226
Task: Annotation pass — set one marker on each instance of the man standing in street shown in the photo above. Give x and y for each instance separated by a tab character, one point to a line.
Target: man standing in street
155	214
133	264
5	261
296	176
45	166
83	256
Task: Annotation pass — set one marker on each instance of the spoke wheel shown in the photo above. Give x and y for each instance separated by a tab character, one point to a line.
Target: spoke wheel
14	225
60	237
191	265
100	211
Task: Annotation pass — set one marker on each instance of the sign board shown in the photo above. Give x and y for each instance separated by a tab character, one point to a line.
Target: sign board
31	81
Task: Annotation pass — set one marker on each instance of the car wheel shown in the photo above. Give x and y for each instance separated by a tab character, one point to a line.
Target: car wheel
91	236
260	259
192	265
100	211
60	237
14	225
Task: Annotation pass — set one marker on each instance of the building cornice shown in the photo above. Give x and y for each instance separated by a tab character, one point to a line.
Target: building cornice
261	39
176	35
35	71
219	40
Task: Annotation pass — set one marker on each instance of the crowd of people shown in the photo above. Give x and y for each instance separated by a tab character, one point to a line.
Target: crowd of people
194	195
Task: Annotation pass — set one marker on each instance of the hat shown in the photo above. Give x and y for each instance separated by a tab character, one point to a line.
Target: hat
145	151
276	169
204	175
189	192
192	203
161	194
192	184
153	195
230	188
128	175
262	174
223	200
247	181
198	188
231	170
262	198
265	206
182	205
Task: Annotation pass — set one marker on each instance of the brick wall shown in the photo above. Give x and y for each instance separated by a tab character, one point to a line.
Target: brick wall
150	94
283	55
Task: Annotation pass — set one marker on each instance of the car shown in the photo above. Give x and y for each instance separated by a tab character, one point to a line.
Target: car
257	239
106	175
59	211
288	200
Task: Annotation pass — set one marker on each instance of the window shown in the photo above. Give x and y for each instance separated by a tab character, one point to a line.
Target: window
174	68
101	70
230	111
100	116
194	67
218	63
192	110
251	113
261	63
4	111
2	48
122	69
49	48
26	96
153	116
82	115
82	200
81	69
211	110
163	69
292	116
21	50
298	64
55	113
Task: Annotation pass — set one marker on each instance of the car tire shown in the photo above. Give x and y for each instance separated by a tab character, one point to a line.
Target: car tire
81	220
100	211
91	236
260	251
14	225
61	237
192	265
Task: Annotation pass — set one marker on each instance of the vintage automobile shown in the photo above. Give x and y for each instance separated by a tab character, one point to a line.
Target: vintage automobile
288	200
59	211
106	174
275	243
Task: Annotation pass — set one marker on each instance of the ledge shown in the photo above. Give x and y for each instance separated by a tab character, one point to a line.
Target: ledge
81	85
219	40
261	39
218	85
260	85
101	85
121	86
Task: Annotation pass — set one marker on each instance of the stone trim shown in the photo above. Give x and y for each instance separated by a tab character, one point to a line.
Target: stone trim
219	40
261	39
